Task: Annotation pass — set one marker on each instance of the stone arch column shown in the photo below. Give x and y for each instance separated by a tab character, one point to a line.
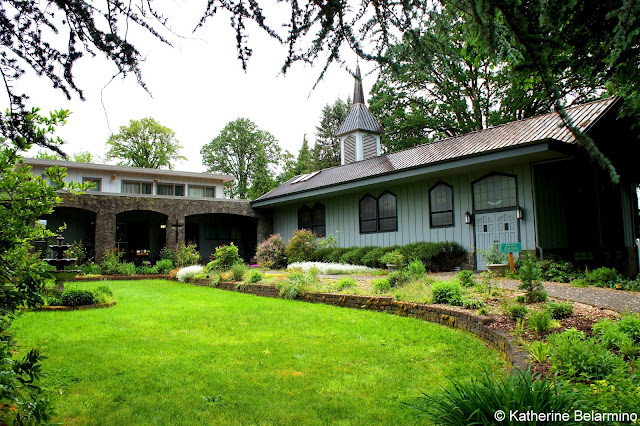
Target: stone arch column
175	231
105	230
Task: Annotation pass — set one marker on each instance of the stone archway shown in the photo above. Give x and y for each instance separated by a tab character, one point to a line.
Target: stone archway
140	234
210	230
80	227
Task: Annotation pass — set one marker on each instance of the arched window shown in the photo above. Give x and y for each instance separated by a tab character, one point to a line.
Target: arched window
387	213
368	215
312	219
441	205
304	218
495	192
318	221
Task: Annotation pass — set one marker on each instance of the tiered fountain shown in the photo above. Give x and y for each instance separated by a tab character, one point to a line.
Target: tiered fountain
59	262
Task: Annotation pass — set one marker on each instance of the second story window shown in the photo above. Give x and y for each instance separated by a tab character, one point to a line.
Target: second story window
170	189
130	187
202	191
97	183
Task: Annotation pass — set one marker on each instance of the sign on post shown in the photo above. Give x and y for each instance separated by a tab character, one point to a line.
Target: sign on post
511	248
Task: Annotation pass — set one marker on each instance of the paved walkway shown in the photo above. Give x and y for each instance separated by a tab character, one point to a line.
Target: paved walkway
615	300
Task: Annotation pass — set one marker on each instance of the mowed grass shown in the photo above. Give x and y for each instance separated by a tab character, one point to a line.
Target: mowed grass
173	353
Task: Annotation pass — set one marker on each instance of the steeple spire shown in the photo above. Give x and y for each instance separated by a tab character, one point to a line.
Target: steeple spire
358	93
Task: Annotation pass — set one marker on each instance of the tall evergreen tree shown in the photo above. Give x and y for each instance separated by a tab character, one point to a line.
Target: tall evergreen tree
262	180
304	163
326	152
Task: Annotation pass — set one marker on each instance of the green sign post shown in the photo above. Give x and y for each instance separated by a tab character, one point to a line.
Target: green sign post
511	248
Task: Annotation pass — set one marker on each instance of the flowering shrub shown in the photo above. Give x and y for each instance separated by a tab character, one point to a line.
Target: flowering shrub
189	272
331	268
302	246
226	256
271	252
187	255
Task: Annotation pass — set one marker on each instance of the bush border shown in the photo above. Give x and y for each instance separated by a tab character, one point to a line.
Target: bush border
74	308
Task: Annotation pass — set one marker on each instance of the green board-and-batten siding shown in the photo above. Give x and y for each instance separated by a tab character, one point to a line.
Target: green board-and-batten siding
342	215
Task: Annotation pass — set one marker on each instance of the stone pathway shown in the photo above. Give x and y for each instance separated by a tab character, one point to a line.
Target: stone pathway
615	300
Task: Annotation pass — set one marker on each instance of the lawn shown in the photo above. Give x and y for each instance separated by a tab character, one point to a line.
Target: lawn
172	353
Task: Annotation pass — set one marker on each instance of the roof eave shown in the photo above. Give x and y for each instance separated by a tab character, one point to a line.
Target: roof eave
531	147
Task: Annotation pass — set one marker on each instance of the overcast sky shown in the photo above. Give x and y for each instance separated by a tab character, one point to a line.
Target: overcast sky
197	86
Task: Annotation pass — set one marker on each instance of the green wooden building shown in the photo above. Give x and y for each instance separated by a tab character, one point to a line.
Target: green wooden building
527	181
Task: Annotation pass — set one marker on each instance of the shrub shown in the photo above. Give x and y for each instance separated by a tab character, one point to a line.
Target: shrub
225	257
189	272
397	278
238	271
517	311
271	252
477	401
255	277
73	297
394	257
164	266
447	292
166	254
493	255
539	321
111	262
473	304
559	310
146	269
630	325
465	278
289	289
440	256
187	255
373	257
529	278
335	255
301	246
416	268
351	256
381	285
103	294
557	270
346	282
575	356
90	268
127	268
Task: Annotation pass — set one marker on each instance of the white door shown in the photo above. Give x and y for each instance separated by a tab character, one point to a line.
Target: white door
494	228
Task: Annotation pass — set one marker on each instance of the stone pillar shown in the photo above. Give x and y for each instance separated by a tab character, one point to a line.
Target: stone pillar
175	222
265	228
105	230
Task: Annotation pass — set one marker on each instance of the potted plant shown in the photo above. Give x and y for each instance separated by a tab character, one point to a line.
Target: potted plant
496	260
393	259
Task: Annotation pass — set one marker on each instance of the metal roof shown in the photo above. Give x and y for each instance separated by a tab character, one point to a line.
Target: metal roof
359	118
510	135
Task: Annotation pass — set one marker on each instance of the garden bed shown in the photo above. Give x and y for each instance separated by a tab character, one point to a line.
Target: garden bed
74	308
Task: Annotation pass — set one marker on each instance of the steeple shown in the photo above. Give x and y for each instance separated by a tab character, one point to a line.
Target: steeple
360	132
358	93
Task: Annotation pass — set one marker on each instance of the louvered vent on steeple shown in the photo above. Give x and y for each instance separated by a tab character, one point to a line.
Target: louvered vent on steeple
360	131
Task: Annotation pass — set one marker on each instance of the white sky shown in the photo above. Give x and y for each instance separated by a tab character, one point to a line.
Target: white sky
198	86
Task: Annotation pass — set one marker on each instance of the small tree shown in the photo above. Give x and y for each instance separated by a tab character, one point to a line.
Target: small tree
529	278
145	143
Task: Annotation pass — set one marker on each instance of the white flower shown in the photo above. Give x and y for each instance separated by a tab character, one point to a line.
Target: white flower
190	271
331	268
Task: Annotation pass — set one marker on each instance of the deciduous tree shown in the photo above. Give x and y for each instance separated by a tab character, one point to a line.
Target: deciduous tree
235	150
145	143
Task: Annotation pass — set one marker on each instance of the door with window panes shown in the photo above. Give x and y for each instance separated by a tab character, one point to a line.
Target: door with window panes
494	203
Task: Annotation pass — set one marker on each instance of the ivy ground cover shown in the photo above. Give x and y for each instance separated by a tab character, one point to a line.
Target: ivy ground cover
172	353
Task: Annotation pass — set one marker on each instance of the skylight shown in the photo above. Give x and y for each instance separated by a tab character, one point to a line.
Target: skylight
303	178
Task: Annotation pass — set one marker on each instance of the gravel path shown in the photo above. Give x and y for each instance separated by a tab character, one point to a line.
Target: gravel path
616	300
